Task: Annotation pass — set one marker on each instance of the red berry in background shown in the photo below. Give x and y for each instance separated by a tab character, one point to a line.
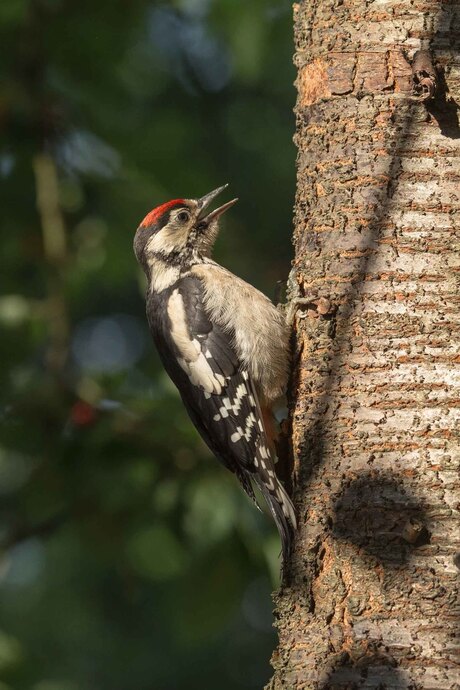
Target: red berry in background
82	413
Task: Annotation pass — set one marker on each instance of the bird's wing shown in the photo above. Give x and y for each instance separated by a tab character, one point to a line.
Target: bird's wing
221	398
217	389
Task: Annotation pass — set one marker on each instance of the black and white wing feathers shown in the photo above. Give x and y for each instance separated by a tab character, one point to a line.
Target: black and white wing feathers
220	397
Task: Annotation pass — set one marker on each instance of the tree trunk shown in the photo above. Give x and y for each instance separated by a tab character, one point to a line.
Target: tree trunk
371	600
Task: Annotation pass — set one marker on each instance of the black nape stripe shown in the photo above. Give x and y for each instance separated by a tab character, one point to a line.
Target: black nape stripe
173	258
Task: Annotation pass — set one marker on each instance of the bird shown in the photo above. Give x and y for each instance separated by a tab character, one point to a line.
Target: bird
223	343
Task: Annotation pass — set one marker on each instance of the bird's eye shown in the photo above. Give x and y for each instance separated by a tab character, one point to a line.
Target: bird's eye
183	216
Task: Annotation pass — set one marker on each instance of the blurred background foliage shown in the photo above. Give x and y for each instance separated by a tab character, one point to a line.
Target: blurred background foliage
130	559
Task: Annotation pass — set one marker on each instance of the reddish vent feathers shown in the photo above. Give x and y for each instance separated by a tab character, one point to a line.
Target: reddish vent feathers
153	217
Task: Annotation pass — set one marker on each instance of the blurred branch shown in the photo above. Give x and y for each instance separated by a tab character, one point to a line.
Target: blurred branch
54	245
54	240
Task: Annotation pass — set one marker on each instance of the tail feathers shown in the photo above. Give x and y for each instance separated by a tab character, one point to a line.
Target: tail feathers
286	503
282	510
247	486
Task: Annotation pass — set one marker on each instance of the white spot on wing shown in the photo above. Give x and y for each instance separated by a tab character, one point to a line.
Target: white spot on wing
250	421
263	454
237	435
240	391
270	484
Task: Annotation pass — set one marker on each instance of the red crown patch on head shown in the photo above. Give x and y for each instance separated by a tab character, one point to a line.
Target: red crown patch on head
153	217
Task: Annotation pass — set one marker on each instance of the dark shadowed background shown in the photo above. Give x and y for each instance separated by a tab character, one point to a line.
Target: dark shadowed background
129	559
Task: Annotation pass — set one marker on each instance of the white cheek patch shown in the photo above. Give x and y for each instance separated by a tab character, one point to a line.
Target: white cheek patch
168	239
192	359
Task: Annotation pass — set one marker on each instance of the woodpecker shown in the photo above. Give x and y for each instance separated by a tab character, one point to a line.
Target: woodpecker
222	342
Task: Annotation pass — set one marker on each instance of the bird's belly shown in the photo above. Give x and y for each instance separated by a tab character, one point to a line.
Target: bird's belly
260	332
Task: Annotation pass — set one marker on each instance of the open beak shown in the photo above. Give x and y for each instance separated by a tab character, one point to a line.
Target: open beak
206	200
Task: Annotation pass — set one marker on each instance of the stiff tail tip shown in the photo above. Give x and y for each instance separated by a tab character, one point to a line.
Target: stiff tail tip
283	513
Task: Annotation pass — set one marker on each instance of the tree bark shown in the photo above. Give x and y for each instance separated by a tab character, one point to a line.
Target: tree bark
372	597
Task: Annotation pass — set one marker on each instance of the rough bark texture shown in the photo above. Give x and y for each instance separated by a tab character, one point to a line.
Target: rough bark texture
373	597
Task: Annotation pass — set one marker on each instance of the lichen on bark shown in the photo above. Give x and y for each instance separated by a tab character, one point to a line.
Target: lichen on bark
372	600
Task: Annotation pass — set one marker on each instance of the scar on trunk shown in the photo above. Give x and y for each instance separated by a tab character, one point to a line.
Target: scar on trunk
312	83
424	76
